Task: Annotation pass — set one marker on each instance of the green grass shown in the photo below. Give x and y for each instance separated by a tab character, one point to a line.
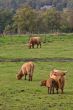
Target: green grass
55	46
24	95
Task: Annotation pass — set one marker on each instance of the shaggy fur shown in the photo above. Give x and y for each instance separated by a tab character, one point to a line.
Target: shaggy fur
26	69
34	41
58	76
50	84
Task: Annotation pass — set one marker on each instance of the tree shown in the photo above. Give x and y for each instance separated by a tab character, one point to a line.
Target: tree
69	14
52	18
5	18
67	20
24	19
70	4
64	23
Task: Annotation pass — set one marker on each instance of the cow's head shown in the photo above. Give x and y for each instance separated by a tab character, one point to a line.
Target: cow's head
58	72
29	45
19	76
43	83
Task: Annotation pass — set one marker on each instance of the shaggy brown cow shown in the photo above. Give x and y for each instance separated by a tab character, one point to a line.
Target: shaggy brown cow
51	84
58	76
34	41
26	69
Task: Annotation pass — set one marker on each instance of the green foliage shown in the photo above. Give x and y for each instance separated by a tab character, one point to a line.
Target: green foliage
51	20
66	21
5	18
24	19
28	20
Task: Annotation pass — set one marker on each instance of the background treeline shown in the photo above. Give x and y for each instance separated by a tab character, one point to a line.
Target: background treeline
36	16
29	20
36	4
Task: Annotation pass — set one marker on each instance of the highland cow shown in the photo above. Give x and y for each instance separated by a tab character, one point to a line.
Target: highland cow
26	69
34	41
50	84
58	76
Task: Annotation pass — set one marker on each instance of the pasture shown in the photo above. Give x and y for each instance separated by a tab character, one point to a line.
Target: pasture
24	95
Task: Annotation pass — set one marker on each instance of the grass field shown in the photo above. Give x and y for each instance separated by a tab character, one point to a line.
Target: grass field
55	46
24	95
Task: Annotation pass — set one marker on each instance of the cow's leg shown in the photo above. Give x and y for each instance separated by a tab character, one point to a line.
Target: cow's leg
40	45
32	45
25	76
30	77
57	90
61	90
48	90
37	45
53	89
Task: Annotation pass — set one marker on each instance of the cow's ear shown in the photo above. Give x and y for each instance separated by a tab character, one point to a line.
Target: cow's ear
64	72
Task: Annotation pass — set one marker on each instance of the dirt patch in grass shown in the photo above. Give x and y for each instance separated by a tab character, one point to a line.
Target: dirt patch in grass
37	60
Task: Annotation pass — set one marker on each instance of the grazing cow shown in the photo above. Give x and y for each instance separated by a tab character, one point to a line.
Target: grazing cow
26	69
50	84
58	76
34	41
